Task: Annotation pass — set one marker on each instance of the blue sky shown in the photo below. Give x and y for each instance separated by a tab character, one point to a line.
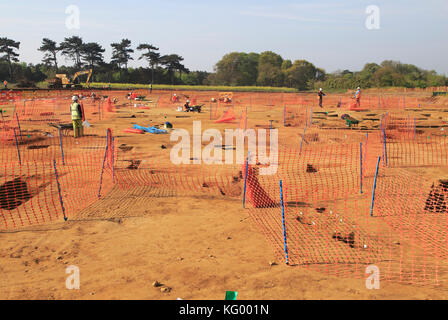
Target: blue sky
330	34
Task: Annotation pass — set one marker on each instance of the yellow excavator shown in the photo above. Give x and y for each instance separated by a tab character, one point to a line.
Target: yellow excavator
61	80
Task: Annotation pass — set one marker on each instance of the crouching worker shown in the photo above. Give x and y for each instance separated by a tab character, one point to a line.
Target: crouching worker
77	117
187	106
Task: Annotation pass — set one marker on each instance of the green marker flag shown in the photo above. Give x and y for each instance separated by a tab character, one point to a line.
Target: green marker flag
231	295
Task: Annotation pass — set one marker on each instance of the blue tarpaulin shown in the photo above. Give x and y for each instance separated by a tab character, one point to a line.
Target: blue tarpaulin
150	129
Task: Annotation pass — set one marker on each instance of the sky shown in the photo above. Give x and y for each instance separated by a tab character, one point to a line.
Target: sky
330	34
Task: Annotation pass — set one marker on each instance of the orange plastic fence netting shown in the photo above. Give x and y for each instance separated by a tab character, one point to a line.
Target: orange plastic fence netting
57	110
373	102
45	178
328	219
137	168
297	116
415	207
228	116
328	225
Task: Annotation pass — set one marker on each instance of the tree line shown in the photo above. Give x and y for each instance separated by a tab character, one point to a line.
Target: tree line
161	68
270	69
234	69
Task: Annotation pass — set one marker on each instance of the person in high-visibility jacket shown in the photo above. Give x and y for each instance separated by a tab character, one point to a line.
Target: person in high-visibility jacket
357	97
5	84
77	117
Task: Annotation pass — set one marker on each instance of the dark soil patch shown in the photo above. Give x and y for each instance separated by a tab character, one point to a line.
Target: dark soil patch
437	198
349	239
13	193
134	164
38	147
125	148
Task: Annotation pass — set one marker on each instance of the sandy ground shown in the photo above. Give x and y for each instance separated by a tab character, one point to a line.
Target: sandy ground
197	247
